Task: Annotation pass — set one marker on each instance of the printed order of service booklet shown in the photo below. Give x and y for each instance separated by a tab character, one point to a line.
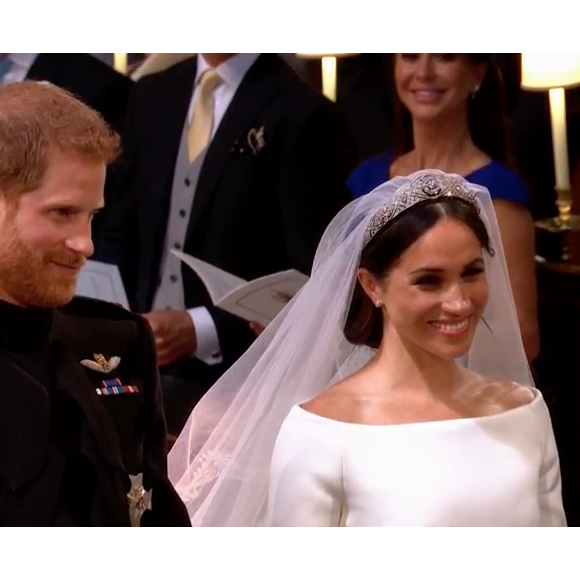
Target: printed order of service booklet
258	300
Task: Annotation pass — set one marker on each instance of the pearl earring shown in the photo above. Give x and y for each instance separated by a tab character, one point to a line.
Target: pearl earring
378	303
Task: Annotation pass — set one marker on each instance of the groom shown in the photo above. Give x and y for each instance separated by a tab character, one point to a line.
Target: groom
81	425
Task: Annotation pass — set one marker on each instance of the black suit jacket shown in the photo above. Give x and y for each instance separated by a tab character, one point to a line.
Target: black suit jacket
93	82
254	213
67	452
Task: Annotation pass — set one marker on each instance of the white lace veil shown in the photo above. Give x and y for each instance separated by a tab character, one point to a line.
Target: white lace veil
220	462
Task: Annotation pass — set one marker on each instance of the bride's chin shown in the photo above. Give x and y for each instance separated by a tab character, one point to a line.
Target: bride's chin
451	352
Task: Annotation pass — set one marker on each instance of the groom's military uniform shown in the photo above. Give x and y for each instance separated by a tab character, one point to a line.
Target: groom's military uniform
82	432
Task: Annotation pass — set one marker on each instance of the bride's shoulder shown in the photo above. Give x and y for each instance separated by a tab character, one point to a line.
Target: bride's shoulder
336	402
497	395
308	422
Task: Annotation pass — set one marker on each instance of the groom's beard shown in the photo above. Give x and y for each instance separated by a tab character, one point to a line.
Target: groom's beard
29	277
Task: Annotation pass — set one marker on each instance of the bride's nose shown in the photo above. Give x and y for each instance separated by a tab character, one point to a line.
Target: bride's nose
455	301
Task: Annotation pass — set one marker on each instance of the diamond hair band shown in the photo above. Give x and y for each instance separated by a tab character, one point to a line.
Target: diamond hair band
430	185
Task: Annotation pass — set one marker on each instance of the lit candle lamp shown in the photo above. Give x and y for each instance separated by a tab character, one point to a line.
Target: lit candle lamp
328	69
559	137
120	62
555	72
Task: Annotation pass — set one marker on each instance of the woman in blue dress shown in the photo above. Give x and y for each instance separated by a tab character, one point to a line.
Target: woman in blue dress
450	117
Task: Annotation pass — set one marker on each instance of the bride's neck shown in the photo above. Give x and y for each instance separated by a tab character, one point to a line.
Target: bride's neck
411	368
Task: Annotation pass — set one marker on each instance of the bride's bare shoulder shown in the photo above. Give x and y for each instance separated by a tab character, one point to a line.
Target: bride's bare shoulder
498	395
337	402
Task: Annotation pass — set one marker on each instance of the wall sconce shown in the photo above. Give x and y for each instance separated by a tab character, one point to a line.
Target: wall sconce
328	63
555	72
120	62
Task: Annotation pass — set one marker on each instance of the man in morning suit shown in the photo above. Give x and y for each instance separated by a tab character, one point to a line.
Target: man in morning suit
81	423
235	160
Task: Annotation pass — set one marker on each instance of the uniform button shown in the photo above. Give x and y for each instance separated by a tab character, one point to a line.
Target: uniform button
182	212
187	182
177	246
173	278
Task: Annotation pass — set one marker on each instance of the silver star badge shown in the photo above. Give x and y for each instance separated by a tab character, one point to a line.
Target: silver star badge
139	500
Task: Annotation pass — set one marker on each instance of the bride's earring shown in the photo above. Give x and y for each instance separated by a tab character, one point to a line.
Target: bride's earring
378	303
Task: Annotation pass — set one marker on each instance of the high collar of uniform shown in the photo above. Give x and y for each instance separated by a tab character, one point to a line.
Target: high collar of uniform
24	328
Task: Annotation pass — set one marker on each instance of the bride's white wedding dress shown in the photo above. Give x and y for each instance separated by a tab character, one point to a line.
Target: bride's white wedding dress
498	470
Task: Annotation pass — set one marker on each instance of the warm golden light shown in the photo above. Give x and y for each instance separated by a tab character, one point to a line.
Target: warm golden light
555	72
328	69
120	62
549	71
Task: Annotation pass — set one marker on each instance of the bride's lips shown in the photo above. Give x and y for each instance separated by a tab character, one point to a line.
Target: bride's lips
452	328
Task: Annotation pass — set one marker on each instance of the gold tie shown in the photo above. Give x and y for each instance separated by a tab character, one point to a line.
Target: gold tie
202	118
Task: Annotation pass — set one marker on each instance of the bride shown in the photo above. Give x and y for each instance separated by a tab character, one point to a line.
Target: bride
393	390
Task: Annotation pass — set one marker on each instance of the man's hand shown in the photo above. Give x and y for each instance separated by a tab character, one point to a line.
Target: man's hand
257	328
174	335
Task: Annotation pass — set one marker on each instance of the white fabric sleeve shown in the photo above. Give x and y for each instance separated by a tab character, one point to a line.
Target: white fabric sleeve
551	507
305	474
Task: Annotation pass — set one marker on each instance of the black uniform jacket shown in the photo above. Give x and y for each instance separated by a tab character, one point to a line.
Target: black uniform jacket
82	432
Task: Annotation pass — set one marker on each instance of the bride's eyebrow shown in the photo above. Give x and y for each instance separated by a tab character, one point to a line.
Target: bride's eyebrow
433	270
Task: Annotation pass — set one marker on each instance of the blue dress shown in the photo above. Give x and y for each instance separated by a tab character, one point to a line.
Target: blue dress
501	181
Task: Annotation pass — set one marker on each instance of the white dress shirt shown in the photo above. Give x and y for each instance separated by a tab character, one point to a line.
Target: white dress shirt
21	63
232	73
